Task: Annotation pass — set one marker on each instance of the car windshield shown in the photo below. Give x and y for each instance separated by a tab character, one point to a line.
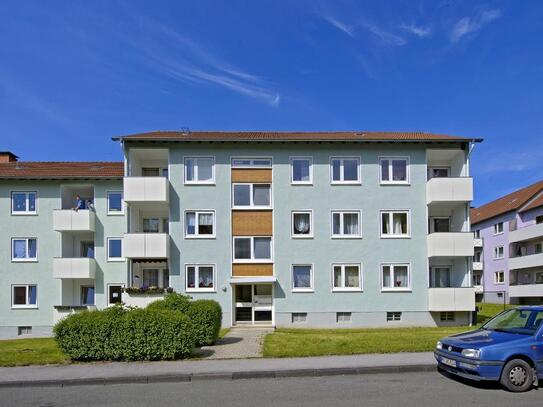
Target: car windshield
517	321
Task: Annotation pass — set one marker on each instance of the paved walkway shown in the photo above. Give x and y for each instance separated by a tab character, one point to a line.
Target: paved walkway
238	343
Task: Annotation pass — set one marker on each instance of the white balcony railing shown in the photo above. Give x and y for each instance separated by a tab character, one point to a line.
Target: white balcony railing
477	265
528	261
478	242
146	189
68	220
453	244
82	267
449	190
478	289
451	299
146	245
526	233
526	290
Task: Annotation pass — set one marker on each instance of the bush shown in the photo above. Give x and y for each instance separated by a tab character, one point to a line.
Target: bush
119	333
172	302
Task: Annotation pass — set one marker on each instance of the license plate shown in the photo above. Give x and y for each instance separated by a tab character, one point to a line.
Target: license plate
448	362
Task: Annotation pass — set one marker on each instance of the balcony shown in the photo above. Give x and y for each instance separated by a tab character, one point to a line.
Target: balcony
526	233
526	290
477	265
528	261
478	289
459	244
82	267
68	220
478	242
451	299
146	189
146	245
449	190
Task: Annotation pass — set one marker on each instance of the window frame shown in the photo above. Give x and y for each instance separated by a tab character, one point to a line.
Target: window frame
309	289
394	316
342	170
496	228
197	278
496	279
342	223
496	252
392	267
24	306
81	287
108	293
307	158
114	259
390	170
391	215
25	259
196	235
252	159
196	181
251	197
115	213
360	288
252	259
447	316
27	212
293	235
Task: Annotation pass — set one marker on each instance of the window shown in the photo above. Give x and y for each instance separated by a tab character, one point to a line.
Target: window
395	277
24	330
500	295
24	249
301	170
499	277
302	224
394	316
446	316
200	224
251	196
23	203
345	170
87	295
539	277
114	249
539	219
346	224
440	277
498	252
477	279
498	228
199	170
343	317
114	293
251	163
440	225
538	248
438	172
200	277
302	277
299	317
346	277
151	225
394	170
252	249
24	296
394	224
477	234
115	203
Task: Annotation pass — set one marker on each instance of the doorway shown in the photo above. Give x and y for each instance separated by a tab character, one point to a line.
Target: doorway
253	304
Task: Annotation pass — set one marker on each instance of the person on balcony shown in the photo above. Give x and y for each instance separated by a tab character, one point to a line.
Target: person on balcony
79	203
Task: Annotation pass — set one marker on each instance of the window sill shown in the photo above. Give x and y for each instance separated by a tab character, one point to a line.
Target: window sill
395	236
250	261
347	290
200	290
346	183
303	290
301	183
115	260
302	236
24	260
398	183
212	183
24	213
200	237
346	236
24	307
115	214
396	290
252	208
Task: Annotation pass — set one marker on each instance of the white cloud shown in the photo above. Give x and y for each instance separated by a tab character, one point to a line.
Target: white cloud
419	31
340	25
384	36
470	25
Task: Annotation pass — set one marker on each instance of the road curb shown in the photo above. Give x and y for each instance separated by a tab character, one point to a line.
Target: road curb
197	377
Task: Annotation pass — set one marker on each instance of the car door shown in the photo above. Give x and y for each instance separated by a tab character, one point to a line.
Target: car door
538	346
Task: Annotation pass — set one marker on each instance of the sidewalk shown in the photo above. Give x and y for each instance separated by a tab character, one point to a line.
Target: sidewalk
231	369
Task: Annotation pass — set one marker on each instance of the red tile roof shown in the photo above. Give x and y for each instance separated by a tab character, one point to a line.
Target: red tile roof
292	136
61	170
507	203
536	203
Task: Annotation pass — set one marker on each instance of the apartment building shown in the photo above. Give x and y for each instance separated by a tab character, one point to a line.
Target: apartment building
300	229
508	260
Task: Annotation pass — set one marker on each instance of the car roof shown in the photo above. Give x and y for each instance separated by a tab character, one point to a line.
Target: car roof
531	307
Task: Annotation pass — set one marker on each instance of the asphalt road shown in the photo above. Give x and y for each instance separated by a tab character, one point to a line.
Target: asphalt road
408	389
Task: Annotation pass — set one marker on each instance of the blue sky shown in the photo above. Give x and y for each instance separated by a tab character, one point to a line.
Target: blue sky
75	73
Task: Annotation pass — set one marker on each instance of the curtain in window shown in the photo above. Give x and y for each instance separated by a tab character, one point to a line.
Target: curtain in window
19	202
301	223
205	276
150	225
386	277
300	170
150	278
302	276
352	276
87	295
337	276
205	223
399	170
336	170
385	223
350	224
384	170
205	169
191	223
189	168
33	294
399	221
442	277
336	228
19	249
400	276
191	278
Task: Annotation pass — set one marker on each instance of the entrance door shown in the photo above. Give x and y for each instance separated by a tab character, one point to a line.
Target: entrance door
253	304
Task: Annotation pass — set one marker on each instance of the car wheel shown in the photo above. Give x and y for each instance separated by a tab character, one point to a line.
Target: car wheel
517	376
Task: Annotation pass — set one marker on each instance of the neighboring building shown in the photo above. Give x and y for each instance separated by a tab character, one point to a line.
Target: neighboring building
508	260
325	229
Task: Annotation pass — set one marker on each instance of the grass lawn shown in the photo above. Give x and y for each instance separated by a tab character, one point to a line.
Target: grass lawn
319	342
34	351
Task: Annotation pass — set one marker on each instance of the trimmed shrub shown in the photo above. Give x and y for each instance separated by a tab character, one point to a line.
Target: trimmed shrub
172	302
206	316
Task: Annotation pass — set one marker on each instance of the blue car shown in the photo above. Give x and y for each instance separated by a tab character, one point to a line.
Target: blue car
508	348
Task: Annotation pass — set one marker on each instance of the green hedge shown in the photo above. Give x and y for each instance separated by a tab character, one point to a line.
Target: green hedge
119	333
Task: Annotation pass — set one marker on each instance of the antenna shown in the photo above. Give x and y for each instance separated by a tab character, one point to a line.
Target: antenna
185	130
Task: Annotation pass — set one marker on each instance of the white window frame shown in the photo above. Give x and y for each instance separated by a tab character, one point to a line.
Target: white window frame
392	267
114	259
24	306
395	316
300	158
390	181
196	181
27	212
107	292
342	315
115	213
496	232
497	255
343	288
309	289
26	259
342	212
197	278
251	160
342	170
390	216
252	206
496	279
301	236
252	259
196	235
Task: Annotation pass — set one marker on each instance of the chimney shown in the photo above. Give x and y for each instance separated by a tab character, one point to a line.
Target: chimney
7	157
